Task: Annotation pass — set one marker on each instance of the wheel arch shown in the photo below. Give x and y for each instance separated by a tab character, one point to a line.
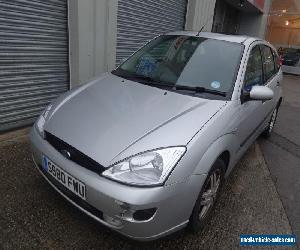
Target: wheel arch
222	148
225	157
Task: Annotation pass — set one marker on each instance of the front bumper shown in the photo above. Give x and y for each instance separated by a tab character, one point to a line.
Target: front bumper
106	198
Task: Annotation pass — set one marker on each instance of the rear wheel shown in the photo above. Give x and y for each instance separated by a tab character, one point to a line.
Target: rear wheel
207	197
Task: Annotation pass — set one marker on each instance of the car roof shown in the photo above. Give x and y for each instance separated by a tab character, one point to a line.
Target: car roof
218	36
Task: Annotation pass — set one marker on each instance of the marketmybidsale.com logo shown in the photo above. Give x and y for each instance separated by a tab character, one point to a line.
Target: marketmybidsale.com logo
267	240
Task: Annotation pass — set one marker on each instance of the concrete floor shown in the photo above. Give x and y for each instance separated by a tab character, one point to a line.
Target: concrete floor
282	151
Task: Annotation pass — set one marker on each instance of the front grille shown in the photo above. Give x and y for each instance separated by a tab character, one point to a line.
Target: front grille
75	155
78	201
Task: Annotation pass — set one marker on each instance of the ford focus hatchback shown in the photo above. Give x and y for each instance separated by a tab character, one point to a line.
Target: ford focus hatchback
145	149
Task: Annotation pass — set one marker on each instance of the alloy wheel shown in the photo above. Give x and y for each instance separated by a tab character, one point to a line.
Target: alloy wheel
209	195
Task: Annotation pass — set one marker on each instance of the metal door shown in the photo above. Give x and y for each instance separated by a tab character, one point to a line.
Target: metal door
34	66
139	21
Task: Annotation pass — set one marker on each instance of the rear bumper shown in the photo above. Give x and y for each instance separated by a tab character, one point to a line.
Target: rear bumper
173	203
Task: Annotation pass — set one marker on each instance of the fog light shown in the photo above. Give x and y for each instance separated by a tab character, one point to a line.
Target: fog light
145	214
112	221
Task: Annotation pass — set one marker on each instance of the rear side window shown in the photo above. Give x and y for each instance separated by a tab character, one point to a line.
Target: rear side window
268	62
254	71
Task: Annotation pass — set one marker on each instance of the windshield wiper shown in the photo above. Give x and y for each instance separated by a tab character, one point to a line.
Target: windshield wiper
197	89
163	84
151	81
133	76
147	80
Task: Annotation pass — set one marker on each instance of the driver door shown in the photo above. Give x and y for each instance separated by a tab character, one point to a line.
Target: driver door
251	112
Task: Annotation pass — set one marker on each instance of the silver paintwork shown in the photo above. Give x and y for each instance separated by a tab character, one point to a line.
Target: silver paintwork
110	119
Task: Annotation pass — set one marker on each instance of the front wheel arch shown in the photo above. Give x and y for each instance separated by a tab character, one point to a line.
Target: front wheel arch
225	157
224	148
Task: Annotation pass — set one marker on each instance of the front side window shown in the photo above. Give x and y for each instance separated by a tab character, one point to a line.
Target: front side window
268	62
195	62
254	71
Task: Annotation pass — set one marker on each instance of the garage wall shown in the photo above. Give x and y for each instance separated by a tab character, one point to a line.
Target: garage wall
200	12
282	36
139	21
93	37
34	66
252	24
93	34
92	26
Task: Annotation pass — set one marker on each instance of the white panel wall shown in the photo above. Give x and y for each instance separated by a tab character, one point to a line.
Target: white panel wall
200	12
92	29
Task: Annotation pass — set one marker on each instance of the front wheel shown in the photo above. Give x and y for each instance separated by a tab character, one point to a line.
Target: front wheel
269	129
207	197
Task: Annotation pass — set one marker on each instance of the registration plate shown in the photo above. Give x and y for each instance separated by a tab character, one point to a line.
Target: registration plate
67	180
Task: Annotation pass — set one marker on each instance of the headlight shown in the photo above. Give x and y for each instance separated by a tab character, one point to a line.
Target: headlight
146	169
42	119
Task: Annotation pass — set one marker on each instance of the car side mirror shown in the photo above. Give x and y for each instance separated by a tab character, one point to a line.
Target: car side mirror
258	93
261	93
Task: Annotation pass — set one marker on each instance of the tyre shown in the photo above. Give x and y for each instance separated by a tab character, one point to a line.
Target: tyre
207	197
268	131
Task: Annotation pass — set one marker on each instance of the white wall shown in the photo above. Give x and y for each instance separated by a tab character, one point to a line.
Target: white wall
92	31
200	12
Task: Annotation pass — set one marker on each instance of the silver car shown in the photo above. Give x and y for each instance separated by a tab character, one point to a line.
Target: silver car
145	149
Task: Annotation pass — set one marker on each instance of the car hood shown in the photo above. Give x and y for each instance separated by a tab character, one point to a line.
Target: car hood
108	115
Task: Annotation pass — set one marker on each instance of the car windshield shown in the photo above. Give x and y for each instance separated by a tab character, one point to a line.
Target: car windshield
196	62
